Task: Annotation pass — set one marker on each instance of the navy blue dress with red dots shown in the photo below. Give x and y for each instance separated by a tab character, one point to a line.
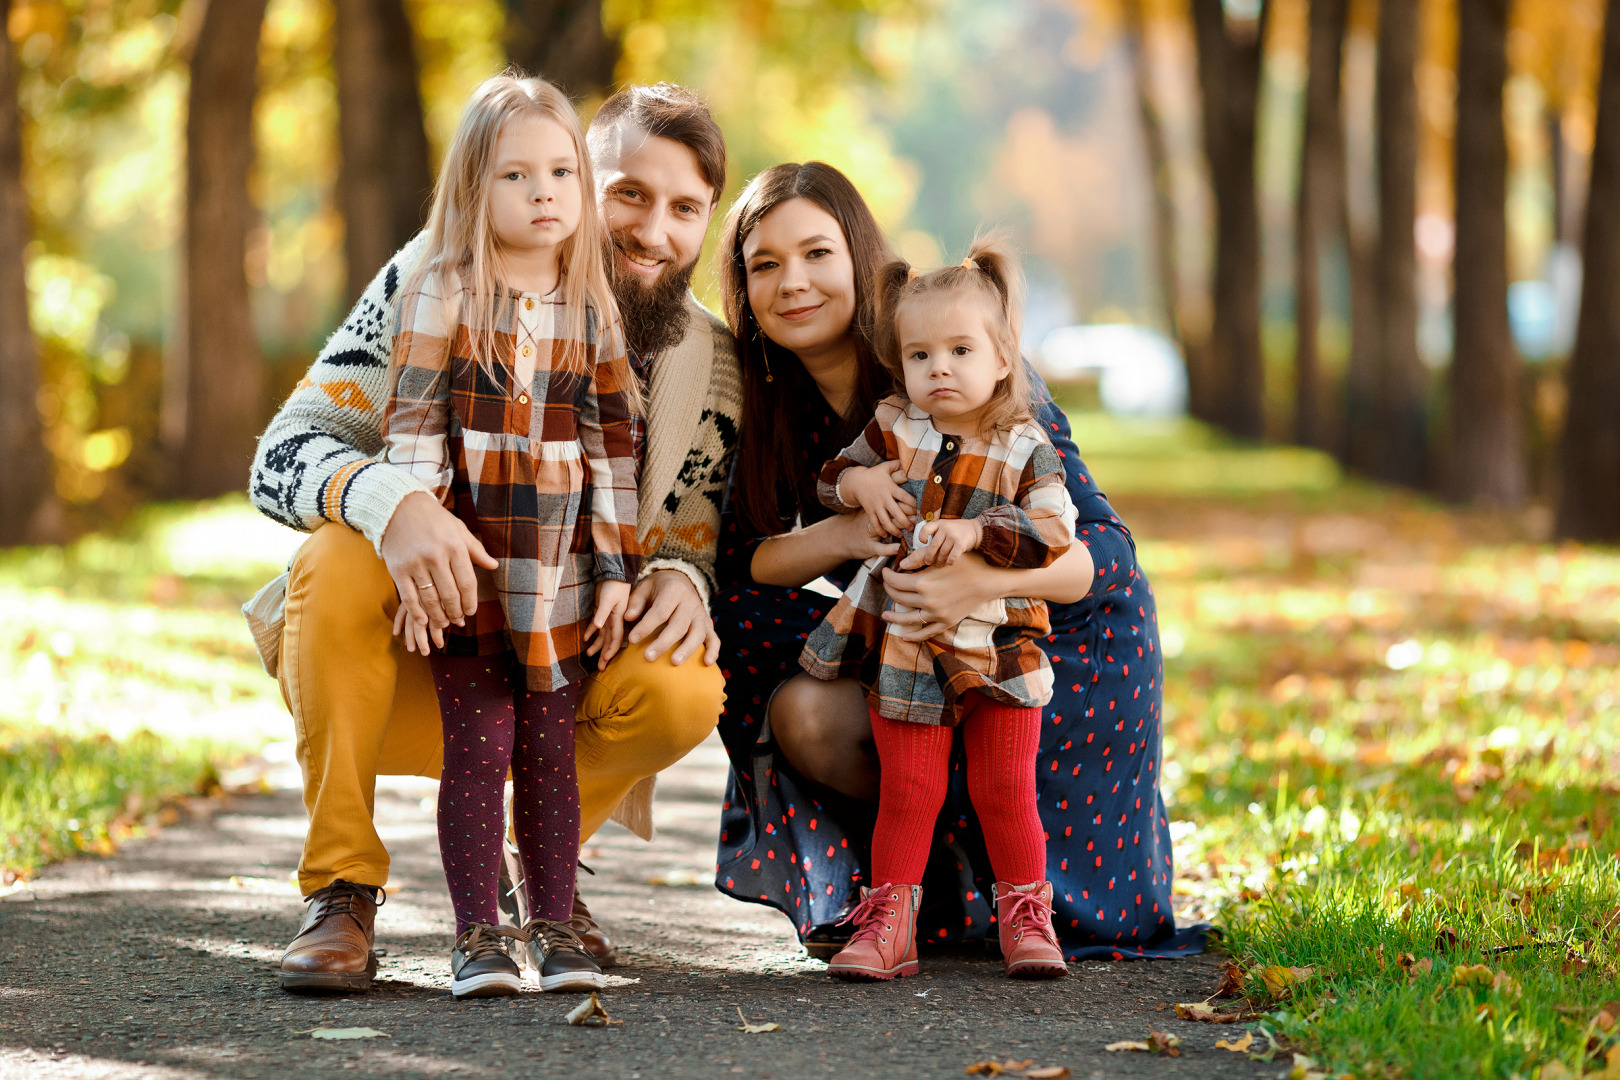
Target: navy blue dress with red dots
1108	842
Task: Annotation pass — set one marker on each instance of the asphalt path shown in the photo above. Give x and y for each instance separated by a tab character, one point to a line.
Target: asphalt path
160	962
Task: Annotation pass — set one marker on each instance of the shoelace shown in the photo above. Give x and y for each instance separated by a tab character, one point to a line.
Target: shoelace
554	935
339	898
1031	910
481	939
869	912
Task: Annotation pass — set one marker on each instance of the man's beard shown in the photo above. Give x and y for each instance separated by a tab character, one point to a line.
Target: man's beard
655	314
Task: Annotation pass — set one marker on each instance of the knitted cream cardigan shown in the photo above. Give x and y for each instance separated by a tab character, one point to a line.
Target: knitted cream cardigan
321	458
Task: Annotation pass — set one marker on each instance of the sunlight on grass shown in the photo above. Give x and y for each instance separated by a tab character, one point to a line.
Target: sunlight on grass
1392	755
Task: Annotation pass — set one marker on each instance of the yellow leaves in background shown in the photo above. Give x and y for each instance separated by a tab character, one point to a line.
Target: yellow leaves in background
1280	981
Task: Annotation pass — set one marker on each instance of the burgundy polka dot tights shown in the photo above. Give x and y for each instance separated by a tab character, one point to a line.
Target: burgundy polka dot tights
491	721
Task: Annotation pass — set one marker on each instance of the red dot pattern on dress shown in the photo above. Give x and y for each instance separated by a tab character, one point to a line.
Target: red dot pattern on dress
491	721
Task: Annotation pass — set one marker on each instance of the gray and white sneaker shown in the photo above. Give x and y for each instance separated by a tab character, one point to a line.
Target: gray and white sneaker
561	958
481	966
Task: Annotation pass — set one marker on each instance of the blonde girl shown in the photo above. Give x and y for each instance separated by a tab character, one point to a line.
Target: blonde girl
510	395
952	465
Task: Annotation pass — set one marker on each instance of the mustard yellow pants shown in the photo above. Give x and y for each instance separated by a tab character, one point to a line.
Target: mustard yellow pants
364	707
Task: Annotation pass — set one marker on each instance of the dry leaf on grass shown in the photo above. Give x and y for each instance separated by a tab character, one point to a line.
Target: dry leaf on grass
345	1033
1447	939
589	1013
1608	1015
1237	1046
1232	979
1280	981
1472	975
1573	964
1304	1069
755	1029
1556	1070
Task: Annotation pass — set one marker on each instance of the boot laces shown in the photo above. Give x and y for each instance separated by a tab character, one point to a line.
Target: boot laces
870	914
554	936
1030	911
342	898
482	939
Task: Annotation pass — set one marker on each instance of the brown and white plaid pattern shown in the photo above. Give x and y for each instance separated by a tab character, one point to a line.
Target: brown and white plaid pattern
1013	485
514	461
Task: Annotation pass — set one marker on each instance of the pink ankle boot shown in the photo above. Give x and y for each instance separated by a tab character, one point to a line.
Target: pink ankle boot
1029	945
884	945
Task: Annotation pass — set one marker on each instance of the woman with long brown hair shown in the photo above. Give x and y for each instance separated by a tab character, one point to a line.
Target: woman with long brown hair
799	254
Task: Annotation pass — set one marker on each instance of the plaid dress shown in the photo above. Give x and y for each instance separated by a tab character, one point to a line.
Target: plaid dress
513	453
1013	484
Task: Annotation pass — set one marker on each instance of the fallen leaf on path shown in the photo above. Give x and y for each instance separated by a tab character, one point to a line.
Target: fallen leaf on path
1237	1046
1203	1014
1164	1043
1232	979
589	1013
755	1029
347	1033
1128	1044
1051	1072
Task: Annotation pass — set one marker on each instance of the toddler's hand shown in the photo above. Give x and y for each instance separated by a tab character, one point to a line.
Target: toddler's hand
877	491
416	633
612	597
947	540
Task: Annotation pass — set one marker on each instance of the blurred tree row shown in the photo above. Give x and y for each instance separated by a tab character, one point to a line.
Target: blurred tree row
1386	415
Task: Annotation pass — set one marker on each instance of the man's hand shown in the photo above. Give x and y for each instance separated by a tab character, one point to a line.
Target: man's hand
430	555
877	491
667	599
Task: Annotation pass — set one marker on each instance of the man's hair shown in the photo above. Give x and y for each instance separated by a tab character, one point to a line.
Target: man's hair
669	112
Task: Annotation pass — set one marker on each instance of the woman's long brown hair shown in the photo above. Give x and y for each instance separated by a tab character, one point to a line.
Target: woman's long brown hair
773	440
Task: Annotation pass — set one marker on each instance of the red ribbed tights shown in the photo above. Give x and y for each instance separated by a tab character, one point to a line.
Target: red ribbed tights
1001	745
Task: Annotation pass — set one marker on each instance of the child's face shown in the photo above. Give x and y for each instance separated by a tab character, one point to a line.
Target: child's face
535	195
950	361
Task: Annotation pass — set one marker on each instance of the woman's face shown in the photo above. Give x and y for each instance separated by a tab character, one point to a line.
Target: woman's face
801	279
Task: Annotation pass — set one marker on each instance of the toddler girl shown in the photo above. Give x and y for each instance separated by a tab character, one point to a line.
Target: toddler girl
983	477
510	395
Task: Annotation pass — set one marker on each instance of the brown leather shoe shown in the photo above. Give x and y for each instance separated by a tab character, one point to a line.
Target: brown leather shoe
597	943
333	949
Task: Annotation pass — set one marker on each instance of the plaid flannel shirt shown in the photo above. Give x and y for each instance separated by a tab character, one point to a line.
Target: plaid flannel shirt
512	452
1013	485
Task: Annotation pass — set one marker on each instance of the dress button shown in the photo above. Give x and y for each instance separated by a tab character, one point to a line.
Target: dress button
950	446
523	399
527	350
937	480
529	304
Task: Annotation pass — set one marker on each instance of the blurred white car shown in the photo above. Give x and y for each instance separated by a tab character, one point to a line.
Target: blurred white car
1139	371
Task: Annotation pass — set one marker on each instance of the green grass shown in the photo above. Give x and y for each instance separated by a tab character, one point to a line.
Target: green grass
131	678
1391	729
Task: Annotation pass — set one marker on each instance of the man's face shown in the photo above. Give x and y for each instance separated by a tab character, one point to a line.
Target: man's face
656	204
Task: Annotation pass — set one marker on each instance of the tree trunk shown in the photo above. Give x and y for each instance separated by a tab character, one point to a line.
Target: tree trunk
223	369
1229	79
26	476
1320	212
1401	420
563	41
385	180
1167	266
1487	441
1589	488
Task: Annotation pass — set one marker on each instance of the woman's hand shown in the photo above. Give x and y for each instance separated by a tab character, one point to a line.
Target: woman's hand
877	491
941	596
857	538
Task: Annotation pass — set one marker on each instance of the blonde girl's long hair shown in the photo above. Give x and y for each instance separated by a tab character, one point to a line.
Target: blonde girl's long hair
990	272
461	248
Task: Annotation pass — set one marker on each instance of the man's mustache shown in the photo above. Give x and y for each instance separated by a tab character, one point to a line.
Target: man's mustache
630	247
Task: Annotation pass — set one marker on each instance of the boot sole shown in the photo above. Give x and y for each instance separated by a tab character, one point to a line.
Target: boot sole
572	980
328	982
1038	970
864	974
494	984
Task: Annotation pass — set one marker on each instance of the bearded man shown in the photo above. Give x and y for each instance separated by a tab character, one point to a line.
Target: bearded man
365	707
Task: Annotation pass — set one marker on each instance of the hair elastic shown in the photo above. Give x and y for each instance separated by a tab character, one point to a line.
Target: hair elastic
912	273
969	263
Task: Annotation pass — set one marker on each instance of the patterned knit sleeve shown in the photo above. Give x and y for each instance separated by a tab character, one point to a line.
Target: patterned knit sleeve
610	454
870	448
416	421
320	458
1039	526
